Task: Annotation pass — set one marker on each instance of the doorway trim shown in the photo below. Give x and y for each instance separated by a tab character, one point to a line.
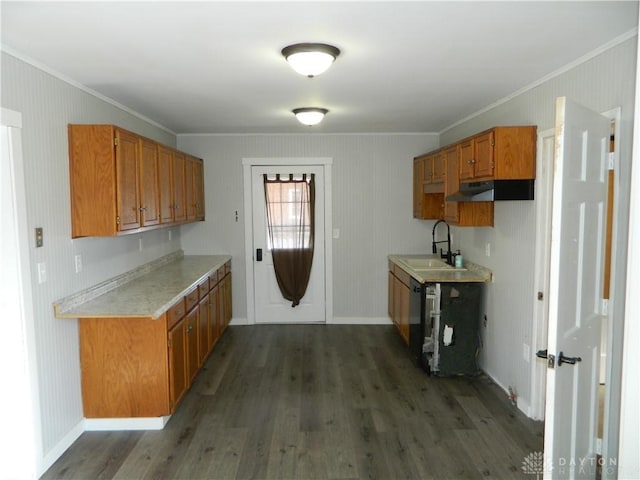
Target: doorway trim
22	356
544	183
325	163
614	341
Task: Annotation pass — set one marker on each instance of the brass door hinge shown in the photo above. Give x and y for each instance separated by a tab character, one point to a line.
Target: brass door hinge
117	220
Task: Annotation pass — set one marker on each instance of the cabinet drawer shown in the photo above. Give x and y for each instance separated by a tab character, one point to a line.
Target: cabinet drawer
221	273
191	298
213	279
175	313
203	288
227	267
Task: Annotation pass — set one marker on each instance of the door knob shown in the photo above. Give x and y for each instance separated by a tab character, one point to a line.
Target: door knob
571	360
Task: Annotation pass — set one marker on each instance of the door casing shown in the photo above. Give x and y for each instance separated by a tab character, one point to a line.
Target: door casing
326	164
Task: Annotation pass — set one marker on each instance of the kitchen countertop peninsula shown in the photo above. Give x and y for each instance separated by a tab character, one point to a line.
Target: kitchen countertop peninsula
472	272
147	291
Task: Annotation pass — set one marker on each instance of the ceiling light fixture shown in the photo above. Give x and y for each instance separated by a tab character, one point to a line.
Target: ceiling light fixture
310	59
310	115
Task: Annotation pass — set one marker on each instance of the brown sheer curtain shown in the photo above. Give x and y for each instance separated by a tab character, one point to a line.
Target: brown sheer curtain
290	205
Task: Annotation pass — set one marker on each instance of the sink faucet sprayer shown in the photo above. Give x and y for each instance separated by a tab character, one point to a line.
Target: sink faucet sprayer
447	255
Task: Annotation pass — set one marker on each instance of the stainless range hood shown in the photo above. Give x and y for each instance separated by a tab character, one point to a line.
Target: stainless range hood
493	191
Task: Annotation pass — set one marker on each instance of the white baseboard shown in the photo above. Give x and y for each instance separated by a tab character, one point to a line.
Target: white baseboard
360	321
521	402
238	321
109	424
56	452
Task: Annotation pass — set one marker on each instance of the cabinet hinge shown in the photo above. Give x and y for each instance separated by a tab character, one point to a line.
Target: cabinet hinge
169	343
117	220
612	161
115	141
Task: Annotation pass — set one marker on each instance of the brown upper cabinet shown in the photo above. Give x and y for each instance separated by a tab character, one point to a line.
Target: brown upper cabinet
500	153
428	185
123	183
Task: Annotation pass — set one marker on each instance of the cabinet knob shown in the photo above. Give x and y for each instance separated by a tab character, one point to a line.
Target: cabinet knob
143	209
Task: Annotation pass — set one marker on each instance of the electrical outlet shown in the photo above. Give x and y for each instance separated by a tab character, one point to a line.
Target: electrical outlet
42	272
487	250
78	262
169	234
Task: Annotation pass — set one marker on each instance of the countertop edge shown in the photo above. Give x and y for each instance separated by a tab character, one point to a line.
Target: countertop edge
474	274
76	306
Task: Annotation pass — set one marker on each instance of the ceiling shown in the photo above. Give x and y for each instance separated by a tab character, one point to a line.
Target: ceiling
216	67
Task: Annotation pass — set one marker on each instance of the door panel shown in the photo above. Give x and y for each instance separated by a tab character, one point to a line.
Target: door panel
270	306
127	184
575	295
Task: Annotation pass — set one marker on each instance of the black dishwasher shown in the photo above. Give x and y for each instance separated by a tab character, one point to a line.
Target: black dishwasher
444	320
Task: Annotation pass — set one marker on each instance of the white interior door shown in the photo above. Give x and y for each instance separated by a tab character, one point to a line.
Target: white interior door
270	306
575	295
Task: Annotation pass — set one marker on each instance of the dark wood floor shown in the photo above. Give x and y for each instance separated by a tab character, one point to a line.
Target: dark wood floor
325	402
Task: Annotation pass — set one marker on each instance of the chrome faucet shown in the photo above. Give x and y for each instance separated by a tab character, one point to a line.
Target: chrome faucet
447	255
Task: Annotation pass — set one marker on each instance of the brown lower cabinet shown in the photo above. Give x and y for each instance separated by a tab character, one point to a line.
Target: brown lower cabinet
142	367
399	298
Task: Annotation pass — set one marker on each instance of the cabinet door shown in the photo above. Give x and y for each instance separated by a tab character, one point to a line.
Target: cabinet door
198	185
203	329
390	295
418	176
439	167
228	310
179	198
466	160
451	184
214	308
484	161
165	183
191	339
128	196
177	363
427	168
403	321
189	191
149	183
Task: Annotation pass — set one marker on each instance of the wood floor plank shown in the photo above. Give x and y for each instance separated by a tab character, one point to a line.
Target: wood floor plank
317	401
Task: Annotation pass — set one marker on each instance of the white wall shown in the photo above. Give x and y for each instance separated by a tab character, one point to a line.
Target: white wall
47	105
372	207
601	83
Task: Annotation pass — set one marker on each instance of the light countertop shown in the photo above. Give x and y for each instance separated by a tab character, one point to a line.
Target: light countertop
472	272
142	294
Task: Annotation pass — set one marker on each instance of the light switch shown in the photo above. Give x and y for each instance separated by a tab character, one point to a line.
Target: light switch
78	262
39	237
42	272
336	233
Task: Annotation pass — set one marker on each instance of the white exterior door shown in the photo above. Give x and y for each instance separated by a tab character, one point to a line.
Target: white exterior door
270	306
575	295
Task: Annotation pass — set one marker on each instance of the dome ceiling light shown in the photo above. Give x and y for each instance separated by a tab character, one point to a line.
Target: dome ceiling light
310	59
310	115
